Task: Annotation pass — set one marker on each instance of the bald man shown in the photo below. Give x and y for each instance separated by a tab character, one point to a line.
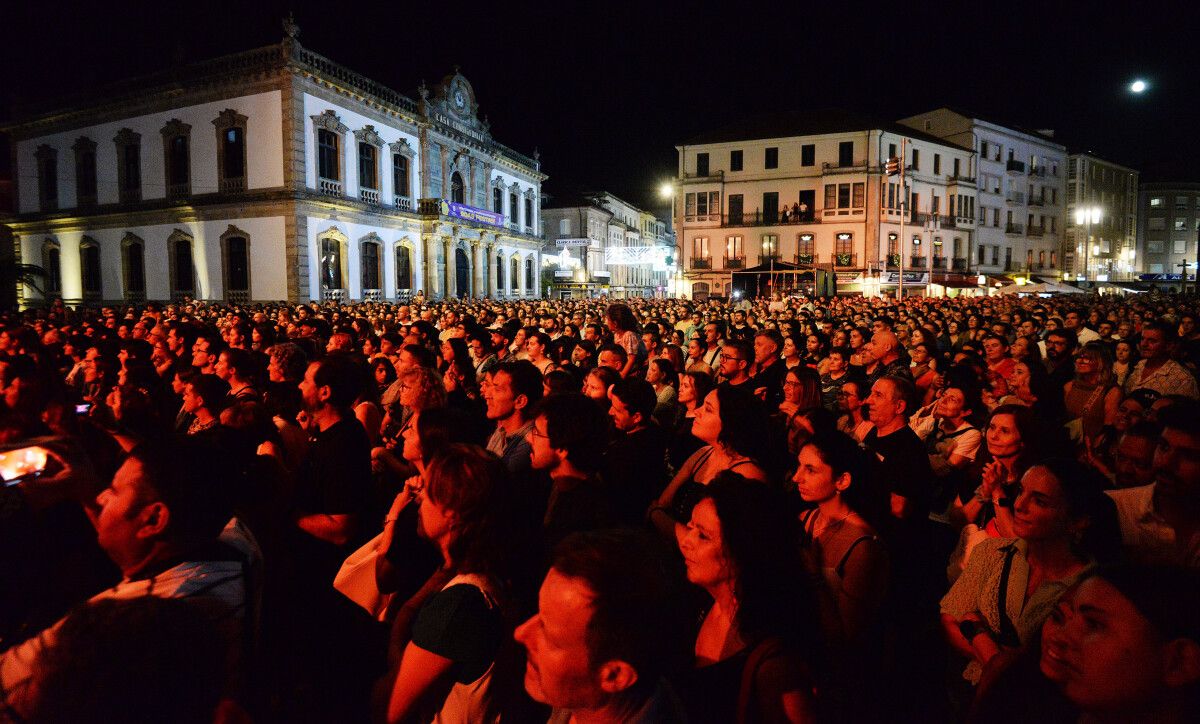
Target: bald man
882	358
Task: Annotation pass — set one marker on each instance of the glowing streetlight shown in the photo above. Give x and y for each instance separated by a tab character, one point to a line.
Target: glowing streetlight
1086	216
666	191
1138	86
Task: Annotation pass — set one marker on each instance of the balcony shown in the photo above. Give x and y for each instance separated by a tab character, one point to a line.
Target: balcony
233	185
329	187
939	262
333	295
1014	166
1017	229
372	295
918	217
1036	231
961	179
856	167
237	296
806	259
1015	197
179	191
705	263
1037	171
429	207
948	222
758	218
403	203
918	262
711	176
845	260
958	264
371	196
893	261
735	262
1037	200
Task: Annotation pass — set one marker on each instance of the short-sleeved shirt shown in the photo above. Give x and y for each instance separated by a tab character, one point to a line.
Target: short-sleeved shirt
335	478
906	465
460	624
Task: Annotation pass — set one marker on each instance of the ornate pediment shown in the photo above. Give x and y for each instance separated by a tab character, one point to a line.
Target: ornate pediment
369	136
401	147
330	122
176	127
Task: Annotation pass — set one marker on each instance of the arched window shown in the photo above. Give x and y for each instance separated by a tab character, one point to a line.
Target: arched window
403	269
182	268
52	263
370	256
89	269
129	165
176	141
457	189
514	274
514	210
231	145
332	266
133	268
529	275
235	265
498	200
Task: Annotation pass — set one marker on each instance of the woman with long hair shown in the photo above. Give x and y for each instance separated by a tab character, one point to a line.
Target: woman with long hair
758	630
793	355
623	325
801	396
693	388
1125	359
732	424
661	375
1093	396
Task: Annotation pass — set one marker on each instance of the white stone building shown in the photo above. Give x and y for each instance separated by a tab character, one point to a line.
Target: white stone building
1020	182
274	174
581	272
1106	247
764	203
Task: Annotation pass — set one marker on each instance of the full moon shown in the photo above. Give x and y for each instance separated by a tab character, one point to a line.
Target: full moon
1137	86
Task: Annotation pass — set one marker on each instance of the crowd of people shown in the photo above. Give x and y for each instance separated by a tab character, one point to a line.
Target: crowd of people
802	510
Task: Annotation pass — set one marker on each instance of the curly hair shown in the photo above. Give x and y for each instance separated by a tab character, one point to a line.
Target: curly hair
430	391
743	422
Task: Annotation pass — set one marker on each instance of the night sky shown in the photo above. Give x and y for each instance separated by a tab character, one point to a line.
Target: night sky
605	90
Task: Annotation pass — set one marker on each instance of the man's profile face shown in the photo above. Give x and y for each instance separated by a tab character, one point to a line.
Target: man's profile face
882	403
622	419
541	454
609	358
558	668
119	519
498	394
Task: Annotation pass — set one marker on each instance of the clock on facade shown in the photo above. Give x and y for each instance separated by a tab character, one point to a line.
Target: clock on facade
460	101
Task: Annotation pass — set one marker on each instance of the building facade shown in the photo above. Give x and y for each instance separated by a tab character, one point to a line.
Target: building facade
1020	183
1101	219
626	253
1168	226
762	205
274	174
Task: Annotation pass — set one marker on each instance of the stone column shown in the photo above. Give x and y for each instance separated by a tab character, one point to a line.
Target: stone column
477	269
429	266
490	284
448	245
521	274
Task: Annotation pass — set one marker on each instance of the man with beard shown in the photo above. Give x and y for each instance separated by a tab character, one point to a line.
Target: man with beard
1060	359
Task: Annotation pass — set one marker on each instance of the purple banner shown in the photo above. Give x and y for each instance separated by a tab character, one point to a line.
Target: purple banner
470	213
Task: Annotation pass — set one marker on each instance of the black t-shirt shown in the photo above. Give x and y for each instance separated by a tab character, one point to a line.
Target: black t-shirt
335	478
771	378
459	624
905	466
635	471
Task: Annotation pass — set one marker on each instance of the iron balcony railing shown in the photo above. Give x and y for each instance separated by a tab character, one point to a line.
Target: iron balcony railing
735	262
802	259
705	263
958	264
1014	166
845	260
1015	197
759	218
1014	228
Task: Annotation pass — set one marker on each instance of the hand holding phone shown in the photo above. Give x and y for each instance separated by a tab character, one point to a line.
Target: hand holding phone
23	463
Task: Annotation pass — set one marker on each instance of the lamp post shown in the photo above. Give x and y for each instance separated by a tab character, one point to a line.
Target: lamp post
1086	216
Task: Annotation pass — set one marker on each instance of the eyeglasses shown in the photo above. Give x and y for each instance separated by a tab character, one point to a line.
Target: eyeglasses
533	432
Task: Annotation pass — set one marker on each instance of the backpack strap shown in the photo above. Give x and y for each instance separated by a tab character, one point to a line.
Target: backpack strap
1008	632
763	651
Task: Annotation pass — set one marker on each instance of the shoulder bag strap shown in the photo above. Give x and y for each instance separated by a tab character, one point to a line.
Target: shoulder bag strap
762	651
1008	632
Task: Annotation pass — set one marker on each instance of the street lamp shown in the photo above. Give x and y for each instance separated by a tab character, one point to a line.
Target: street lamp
666	191
1086	216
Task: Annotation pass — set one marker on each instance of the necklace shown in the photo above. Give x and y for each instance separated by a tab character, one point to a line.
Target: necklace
829	526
